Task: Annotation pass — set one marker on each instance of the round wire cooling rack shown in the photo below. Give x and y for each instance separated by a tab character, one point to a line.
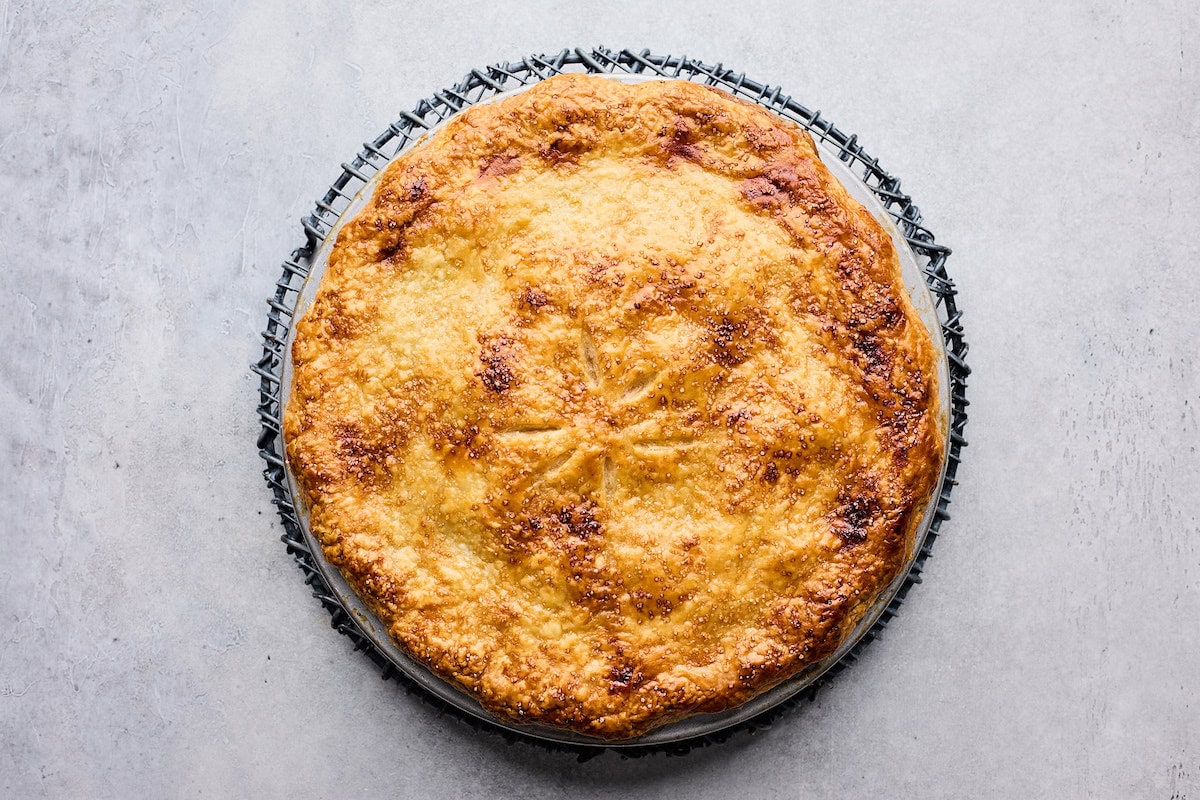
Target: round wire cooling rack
482	85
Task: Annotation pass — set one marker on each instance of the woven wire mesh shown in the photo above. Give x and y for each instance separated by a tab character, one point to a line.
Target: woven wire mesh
484	84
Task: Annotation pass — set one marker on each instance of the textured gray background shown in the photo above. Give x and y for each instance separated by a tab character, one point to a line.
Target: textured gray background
156	641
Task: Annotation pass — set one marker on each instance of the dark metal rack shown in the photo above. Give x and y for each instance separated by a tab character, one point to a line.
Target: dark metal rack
483	84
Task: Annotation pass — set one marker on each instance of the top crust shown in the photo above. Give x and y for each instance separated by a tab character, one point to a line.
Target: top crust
613	406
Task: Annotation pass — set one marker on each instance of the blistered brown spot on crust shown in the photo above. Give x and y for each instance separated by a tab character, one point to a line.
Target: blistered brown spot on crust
678	141
733	338
877	359
560	152
580	520
569	137
855	517
344	317
355	454
624	678
496	357
499	165
784	185
731	342
454	440
612	405
416	190
534	298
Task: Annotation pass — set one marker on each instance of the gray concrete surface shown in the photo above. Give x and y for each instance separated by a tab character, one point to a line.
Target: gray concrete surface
155	641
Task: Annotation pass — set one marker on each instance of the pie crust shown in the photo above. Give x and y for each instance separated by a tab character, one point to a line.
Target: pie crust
613	406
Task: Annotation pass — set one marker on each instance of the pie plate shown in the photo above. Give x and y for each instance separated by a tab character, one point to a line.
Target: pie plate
922	263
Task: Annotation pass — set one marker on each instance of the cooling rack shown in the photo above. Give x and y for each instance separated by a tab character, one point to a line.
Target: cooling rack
482	85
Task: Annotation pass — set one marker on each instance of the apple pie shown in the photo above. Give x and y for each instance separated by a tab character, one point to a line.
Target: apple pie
613	406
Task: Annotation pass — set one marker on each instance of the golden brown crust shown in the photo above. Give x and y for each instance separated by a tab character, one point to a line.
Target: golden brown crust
613	406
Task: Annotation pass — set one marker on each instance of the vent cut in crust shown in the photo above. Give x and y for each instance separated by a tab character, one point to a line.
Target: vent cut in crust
613	406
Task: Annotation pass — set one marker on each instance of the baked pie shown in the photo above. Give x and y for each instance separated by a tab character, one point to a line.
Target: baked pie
613	406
